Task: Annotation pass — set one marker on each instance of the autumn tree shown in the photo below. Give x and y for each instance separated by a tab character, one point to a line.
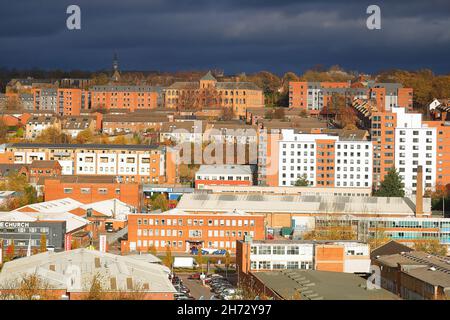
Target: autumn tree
378	239
96	287
43	243
199	258
186	100
27	193
27	287
160	202
227	114
11	251
168	259
186	172
3	131
84	136
120	140
432	246
152	250
52	135
99	79
207	97
391	186
13	103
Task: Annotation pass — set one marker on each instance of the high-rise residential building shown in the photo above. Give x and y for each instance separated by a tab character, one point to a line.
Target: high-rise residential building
72	101
45	99
415	145
333	159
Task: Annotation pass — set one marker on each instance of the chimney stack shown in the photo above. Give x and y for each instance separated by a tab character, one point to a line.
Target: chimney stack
419	192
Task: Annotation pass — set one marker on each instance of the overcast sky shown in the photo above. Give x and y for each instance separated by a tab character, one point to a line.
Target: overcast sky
234	35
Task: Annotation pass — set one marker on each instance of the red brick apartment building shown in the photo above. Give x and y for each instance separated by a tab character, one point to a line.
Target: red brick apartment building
183	231
41	168
73	101
88	189
315	96
124	97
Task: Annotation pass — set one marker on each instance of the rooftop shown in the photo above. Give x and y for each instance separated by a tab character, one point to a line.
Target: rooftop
73	222
116	272
44	164
54	206
113	88
432	269
309	204
320	285
225	169
111	208
391	247
82	146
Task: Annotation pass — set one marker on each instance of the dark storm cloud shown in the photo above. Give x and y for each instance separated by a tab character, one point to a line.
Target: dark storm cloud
248	35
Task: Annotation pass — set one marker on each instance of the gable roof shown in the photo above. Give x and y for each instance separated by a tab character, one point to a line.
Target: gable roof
208	76
391	247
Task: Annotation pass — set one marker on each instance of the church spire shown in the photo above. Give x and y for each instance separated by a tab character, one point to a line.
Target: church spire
115	62
116	73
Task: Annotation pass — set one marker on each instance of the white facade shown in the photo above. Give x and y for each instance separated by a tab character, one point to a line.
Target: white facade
297	255
94	163
281	256
298	156
67	167
415	144
353	164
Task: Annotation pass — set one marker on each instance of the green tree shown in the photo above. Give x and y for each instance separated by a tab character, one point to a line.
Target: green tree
391	186
19	132
302	181
432	246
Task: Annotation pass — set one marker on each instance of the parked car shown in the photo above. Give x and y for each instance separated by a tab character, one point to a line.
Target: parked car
194	276
233	297
222	287
182	296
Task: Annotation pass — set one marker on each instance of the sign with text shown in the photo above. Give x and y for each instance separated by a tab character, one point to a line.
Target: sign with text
68	242
102	244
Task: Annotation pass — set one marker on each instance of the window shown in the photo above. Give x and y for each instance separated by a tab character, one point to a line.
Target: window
279	250
68	190
85	190
265	250
292	250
